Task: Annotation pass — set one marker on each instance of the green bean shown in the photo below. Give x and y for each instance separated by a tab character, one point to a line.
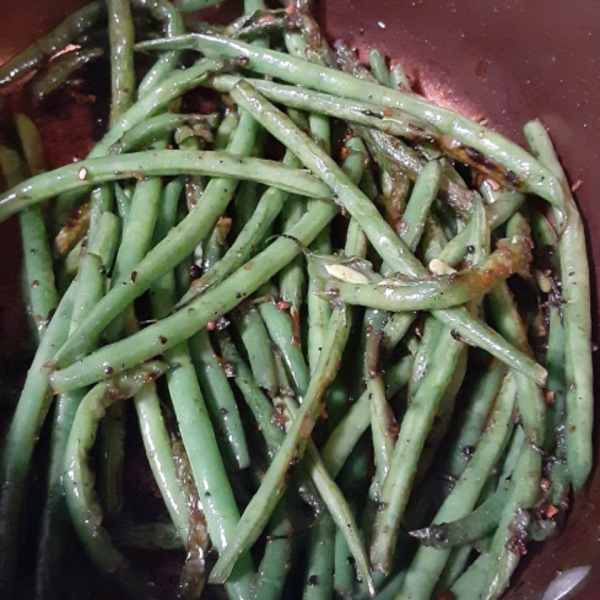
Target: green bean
261	408
340	513
316	469
421	199
318	584
384	240
399	78
136	238
503	206
466	529
379	69
383	422
455	567
83	175
122	38
529	173
446	291
283	334
428	563
31	142
471	424
61	69
193	5
220	400
422	361
22	436
221	299
255	338
576	318
39	283
173	26
277	558
158	450
531	402
55	528
35	54
79	490
123	202
145	133
470	584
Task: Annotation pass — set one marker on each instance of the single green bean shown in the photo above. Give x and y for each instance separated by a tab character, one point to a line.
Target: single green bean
474	417
122	37
446	291
35	54
255	338
399	78
277	559
219	399
420	201
38	274
379	69
318	584
466	529
82	176
31	143
576	313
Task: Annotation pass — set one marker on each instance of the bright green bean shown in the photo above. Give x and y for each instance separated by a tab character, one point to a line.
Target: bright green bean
122	38
576	319
90	172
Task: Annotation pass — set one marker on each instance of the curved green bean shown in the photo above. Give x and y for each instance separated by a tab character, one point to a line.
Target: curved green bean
576	318
87	173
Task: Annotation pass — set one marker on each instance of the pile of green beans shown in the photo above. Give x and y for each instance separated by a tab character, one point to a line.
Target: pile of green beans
351	336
